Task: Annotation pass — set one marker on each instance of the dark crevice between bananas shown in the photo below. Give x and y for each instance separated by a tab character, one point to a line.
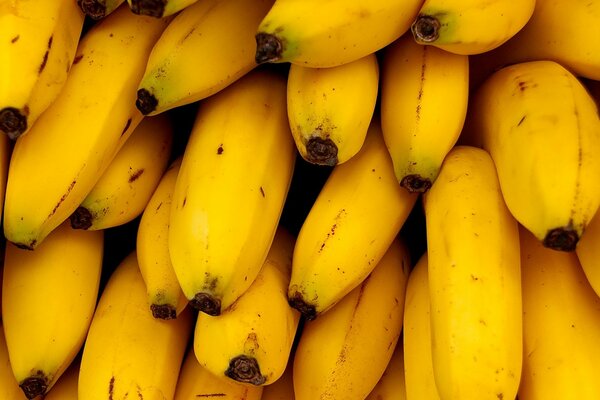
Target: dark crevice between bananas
146	102
93	8
425	29
151	8
206	303
35	385
322	151
268	48
415	183
12	122
245	369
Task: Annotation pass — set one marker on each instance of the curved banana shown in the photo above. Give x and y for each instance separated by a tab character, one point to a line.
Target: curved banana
125	187
470	26
127	350
49	296
282	388
196	382
9	387
588	252
66	387
98	9
338	32
541	127
229	195
165	297
424	96
474	281
158	9
350	226
38	39
344	353
206	48
391	385
5	152
57	163
250	342
330	109
561	326
418	363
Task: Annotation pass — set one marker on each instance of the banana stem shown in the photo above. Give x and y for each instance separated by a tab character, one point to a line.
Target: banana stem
12	122
268	48
425	29
245	369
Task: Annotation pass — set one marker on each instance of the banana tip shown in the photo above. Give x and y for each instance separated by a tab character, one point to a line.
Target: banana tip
163	311
268	48
35	385
81	218
425	29
93	8
12	122
146	102
206	303
246	370
150	8
309	311
415	183
321	151
561	239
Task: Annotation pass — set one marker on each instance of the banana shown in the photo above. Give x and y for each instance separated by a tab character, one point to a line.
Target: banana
391	385
541	128
38	39
196	382
418	364
49	296
207	47
127	350
98	9
351	224
338	32
424	97
561	326
470	26
282	388
66	387
158	9
57	163
330	109
250	342
474	281
5	152
125	187
343	354
165	298
9	387
234	177
588	253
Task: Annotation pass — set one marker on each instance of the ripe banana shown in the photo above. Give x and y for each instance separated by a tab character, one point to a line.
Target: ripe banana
541	128
196	382
330	108
470	26
66	387
424	97
125	187
588	253
230	191
420	380
9	387
49	296
343	354
57	163
127	350
250	342
5	152
350	226
561	326
338	31
98	9
38	39
474	281
158	9
207	47
165	298
391	385
282	388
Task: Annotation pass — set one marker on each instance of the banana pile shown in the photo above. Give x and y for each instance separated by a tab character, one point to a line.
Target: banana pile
310	200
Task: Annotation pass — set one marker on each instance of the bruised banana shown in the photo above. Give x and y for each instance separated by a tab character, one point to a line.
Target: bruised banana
98	9
391	385
330	109
158	9
38	39
54	166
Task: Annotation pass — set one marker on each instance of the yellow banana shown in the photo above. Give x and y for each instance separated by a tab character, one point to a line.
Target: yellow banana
57	163
98	9
196	382
470	26
125	187
250	342
424	97
351	224
38	39
207	47
5	152
66	387
314	33
282	388
127	350
9	387
230	191
330	109
561	326
541	127
158	9
420	381
49	296
165	298
588	253
343	354
474	281
391	385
